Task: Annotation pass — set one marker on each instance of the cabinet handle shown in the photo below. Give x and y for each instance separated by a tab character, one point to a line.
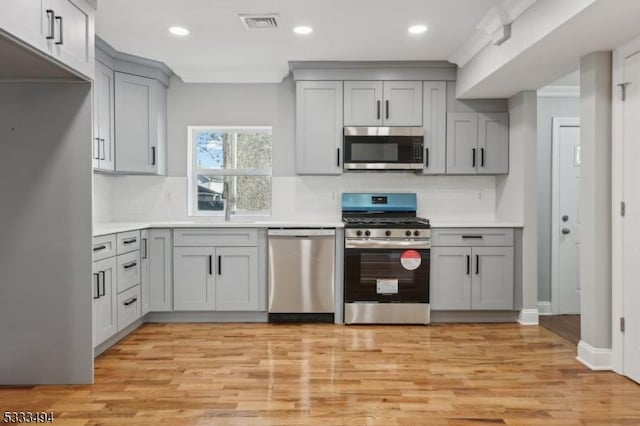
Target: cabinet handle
60	41
338	157
472	237
104	150
378	109
481	157
130	241
99	248
97	282
153	155
426	157
52	30
473	157
104	286
144	255
131	301
468	264
210	265
130	265
477	264
96	151
219	265
386	107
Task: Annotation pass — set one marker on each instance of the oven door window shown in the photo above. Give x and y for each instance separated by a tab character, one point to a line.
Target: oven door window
382	149
387	275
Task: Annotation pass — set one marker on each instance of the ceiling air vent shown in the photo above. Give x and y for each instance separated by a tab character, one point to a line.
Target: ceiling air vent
261	22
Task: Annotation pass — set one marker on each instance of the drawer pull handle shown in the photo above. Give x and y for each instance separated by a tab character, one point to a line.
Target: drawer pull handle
99	248
131	301
472	237
130	241
129	265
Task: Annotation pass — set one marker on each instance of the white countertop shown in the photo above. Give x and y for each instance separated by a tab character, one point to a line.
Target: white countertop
474	224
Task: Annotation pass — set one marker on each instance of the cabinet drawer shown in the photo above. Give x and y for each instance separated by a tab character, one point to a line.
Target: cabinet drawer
104	247
233	237
128	307
467	237
128	241
128	270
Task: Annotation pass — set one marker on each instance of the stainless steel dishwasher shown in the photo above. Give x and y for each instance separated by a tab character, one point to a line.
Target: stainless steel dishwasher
301	275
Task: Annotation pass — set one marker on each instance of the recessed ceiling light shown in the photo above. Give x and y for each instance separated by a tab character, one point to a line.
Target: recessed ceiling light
179	31
418	29
303	29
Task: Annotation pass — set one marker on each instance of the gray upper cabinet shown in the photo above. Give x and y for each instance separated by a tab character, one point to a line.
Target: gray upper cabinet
61	29
103	121
492	286
434	122
382	103
493	143
319	127
194	278
477	143
462	143
158	251
140	113
237	279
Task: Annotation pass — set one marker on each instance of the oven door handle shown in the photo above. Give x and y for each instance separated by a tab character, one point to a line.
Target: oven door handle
381	243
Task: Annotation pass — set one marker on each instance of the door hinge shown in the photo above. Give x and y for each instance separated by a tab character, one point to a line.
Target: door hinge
623	208
622	324
623	86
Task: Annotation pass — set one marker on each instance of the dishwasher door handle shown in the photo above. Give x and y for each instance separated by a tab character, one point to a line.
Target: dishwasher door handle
301	233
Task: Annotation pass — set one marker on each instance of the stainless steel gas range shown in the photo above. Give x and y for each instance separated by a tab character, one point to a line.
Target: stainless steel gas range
387	259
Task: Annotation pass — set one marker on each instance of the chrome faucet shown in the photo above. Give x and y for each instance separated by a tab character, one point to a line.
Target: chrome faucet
227	200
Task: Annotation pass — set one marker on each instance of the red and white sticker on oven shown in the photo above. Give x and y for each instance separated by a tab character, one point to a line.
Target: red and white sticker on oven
410	260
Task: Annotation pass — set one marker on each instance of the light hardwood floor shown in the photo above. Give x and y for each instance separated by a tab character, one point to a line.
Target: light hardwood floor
264	374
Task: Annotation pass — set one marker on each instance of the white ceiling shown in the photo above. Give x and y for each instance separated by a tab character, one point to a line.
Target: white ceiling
220	49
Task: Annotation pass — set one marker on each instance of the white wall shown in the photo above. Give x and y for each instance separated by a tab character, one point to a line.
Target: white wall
129	198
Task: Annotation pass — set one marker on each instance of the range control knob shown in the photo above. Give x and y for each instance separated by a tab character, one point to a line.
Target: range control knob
359	233
387	233
367	233
407	233
416	233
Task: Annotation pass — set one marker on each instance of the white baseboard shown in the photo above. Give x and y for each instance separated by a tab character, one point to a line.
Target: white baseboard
595	358
544	308
528	317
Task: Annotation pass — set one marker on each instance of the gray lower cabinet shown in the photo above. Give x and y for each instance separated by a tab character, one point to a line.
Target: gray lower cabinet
319	127
236	286
159	292
472	278
194	279
105	320
145	281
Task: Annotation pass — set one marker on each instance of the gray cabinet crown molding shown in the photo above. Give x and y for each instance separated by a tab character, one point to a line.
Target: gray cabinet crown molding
131	64
373	70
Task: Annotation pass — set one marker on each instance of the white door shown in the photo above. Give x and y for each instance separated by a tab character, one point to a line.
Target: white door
631	222
566	212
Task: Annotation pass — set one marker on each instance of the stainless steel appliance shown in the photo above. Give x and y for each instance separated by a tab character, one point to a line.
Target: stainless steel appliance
383	148
387	259
301	275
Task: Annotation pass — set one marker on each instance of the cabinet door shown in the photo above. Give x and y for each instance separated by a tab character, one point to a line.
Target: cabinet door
319	127
237	279
135	125
103	93
194	288
402	103
492	286
145	287
462	143
74	35
493	143
160	278
362	103
105	321
434	122
450	280
28	21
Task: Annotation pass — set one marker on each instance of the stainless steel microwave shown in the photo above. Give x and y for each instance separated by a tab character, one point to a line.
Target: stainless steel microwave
383	148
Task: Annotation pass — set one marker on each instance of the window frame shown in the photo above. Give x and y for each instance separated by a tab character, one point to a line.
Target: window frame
193	171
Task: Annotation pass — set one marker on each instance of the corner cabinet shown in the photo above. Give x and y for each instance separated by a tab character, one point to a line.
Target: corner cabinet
477	143
140	132
382	103
472	269
61	29
319	127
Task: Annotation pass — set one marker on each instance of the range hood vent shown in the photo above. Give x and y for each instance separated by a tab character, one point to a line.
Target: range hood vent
269	21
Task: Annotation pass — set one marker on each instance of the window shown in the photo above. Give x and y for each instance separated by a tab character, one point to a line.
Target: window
239	156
